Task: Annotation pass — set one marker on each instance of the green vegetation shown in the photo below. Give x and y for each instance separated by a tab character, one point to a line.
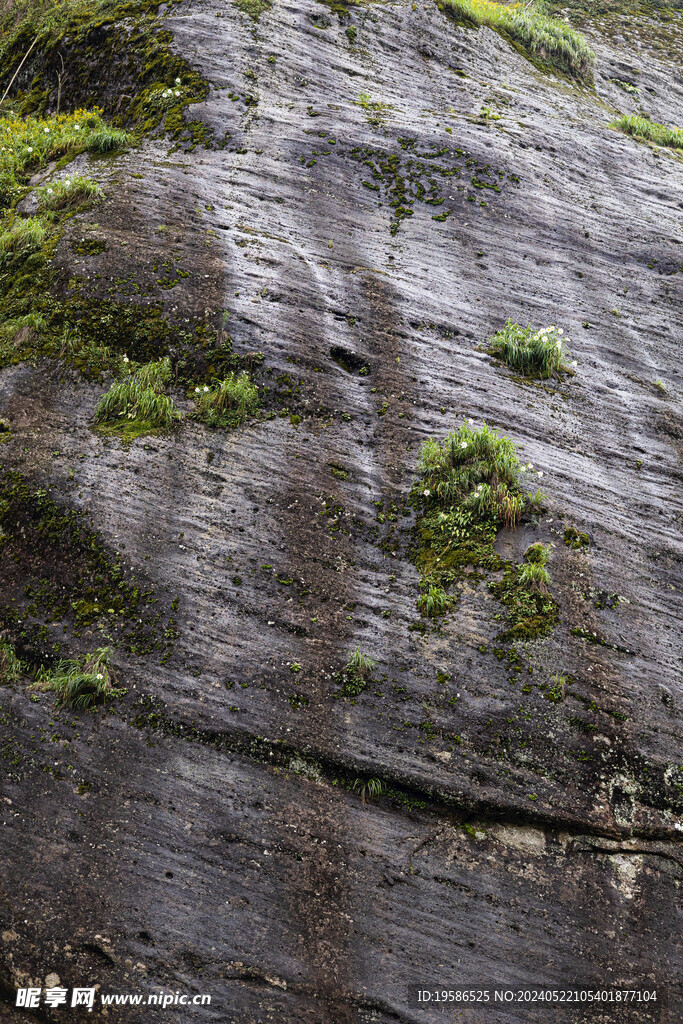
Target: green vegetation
70	194
532	612
368	787
541	353
474	485
643	129
548	41
475	469
83	682
434	601
555	692
357	674
374	109
228	402
573	538
10	667
29	143
21	237
140	397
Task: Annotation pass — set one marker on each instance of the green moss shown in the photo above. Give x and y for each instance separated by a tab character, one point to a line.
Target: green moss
56	570
573	538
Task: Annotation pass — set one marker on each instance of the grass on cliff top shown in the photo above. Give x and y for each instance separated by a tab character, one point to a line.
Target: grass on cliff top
228	402
547	39
642	128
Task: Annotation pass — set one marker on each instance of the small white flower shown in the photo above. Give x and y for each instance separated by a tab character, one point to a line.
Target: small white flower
197	390
426	492
29	149
126	359
177	81
77	127
463	444
470	421
560	331
574	362
530	465
205	388
559	344
49	191
46	130
99	676
177	93
540	472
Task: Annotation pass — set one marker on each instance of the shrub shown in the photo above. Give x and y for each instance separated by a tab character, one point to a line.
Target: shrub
541	353
542	37
140	396
475	468
82	682
10	666
71	192
434	601
227	402
643	128
533	574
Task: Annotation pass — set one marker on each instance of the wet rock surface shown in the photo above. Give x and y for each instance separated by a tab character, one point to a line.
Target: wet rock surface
203	834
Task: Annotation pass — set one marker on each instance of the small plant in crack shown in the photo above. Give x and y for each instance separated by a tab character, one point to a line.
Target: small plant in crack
372	788
434	601
83	682
357	674
77	192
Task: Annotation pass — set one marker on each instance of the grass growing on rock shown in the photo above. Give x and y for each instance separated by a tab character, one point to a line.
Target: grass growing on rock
228	402
357	674
548	40
10	666
643	128
76	193
81	683
139	398
470	485
542	353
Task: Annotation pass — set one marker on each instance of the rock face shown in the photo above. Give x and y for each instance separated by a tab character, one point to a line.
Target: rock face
215	830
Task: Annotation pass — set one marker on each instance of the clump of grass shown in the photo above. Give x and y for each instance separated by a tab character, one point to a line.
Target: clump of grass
555	692
228	402
542	37
83	682
11	668
533	573
541	353
23	236
28	143
357	674
643	128
77	191
368	787
374	109
140	396
476	469
434	601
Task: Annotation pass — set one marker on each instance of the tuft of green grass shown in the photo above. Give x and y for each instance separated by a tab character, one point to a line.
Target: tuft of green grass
23	236
643	128
546	39
541	353
11	668
533	573
77	191
434	601
140	397
555	692
357	674
83	682
476	469
368	787
228	402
